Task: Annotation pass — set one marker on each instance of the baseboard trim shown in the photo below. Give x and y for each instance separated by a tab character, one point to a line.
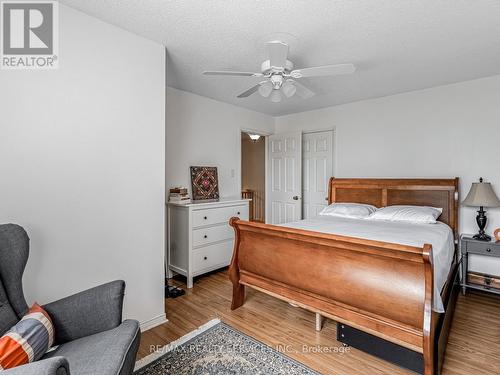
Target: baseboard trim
153	322
174	344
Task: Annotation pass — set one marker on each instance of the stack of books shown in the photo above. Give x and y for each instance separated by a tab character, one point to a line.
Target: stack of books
179	195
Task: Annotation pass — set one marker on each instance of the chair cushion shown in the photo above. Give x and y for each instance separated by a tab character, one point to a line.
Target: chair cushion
28	340
99	354
14	250
8	317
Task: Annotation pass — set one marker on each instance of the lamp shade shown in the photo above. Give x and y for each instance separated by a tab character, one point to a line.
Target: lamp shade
481	194
254	137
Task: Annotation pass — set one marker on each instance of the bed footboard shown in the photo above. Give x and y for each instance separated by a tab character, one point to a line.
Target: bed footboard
380	288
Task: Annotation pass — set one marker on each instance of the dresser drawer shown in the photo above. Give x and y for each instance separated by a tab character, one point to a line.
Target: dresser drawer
212	256
211	216
204	236
486	248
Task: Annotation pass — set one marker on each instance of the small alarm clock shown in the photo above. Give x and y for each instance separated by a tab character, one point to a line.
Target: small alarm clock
497	234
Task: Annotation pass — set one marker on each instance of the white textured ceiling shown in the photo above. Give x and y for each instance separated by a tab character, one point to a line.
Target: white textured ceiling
397	45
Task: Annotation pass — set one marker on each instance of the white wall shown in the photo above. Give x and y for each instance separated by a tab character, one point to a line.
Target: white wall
202	131
447	131
82	164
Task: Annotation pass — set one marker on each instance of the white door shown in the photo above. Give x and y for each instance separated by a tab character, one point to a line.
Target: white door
284	177
317	164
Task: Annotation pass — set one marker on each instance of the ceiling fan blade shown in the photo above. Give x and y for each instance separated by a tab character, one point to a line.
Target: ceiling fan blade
303	91
250	91
228	73
326	70
278	53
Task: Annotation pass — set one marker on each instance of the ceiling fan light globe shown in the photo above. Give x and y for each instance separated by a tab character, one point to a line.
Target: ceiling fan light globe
265	89
275	96
289	89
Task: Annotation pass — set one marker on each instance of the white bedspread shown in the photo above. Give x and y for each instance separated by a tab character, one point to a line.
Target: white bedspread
439	235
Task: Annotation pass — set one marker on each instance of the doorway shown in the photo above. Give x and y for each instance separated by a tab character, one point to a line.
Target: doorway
253	174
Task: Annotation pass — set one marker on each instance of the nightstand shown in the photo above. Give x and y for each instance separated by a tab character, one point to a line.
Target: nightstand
468	246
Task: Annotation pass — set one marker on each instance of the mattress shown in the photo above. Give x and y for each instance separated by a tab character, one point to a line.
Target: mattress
439	235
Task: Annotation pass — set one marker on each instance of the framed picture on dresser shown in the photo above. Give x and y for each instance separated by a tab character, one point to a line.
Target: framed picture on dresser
204	183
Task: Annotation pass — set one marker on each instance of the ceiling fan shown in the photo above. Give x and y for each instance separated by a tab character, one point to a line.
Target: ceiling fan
281	77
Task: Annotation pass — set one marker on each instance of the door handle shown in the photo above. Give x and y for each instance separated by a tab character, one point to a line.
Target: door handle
296	198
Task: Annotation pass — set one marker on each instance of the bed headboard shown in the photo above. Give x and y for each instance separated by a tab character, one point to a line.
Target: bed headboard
387	192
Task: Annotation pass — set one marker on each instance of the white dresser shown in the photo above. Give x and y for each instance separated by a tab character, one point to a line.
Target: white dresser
200	238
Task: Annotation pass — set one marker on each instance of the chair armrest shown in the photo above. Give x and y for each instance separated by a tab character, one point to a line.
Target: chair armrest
51	366
92	311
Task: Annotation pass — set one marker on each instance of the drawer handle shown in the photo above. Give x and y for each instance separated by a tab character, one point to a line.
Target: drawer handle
205	217
238	213
488	250
205	236
205	258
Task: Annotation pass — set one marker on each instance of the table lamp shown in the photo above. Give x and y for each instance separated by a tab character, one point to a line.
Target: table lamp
481	195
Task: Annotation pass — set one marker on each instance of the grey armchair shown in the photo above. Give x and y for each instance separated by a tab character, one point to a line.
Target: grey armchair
90	336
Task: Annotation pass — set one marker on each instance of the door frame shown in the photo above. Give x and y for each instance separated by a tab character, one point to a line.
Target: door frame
264	134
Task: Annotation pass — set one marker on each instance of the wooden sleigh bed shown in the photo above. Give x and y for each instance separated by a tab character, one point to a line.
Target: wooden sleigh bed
379	288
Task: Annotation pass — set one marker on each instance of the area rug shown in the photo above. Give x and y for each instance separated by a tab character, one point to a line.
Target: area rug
216	348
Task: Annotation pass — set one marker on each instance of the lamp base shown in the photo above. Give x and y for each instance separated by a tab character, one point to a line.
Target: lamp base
481	223
482	237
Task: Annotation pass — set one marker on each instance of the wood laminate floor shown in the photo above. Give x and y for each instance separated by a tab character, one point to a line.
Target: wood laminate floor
473	346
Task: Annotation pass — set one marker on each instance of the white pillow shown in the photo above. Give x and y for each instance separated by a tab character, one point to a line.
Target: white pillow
408	214
351	210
